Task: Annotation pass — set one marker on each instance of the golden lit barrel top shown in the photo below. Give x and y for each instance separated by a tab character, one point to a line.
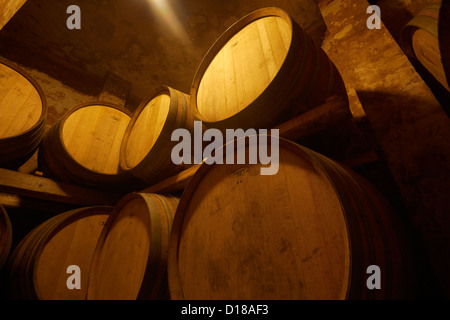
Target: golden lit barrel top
244	64
21	102
147	145
92	135
146	129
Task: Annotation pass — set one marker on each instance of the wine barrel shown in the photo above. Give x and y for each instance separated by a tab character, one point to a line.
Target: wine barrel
310	231
420	41
261	71
23	112
130	260
147	146
38	265
5	236
84	146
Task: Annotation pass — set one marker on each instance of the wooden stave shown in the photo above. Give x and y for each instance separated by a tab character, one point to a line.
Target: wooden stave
157	164
29	139
54	166
294	74
416	23
172	204
38	89
26	267
354	192
18	261
426	20
81	172
174	280
23	262
155	285
382	224
247	113
55	160
393	229
48	164
13	156
151	289
80	214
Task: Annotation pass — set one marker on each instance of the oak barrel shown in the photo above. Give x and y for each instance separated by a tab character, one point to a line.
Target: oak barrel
261	71
420	41
38	264
147	146
130	260
23	112
83	146
309	231
5	236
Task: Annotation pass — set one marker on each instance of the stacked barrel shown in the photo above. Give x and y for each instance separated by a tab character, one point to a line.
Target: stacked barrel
120	252
308	232
425	43
83	146
23	112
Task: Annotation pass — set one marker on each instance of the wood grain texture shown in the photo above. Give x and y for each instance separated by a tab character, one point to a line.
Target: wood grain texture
22	184
23	112
92	136
259	50
426	49
420	41
147	129
83	146
39	262
261	71
307	232
14	201
147	146
20	101
72	245
130	260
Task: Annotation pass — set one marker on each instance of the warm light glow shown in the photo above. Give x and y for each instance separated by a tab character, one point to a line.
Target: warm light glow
163	9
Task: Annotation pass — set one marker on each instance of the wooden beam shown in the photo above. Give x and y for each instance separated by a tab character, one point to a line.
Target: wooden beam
17	183
409	124
175	183
333	112
15	201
